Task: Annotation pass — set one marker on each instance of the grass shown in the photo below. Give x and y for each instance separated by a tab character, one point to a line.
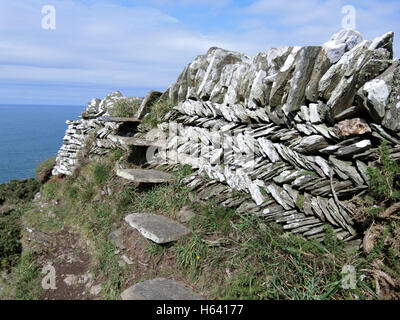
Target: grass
51	190
106	263
125	108
100	173
300	202
233	256
26	280
157	113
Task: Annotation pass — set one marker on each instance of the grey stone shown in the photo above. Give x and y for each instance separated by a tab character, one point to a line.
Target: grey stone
340	84
144	175
186	214
281	196
347	169
355	148
348	113
314	113
380	97
282	78
311	144
159	289
117	238
268	148
118	119
304	66
157	228
133	141
147	103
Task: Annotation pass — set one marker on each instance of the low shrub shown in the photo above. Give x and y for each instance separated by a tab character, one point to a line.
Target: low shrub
157	113
100	173
10	234
18	191
43	171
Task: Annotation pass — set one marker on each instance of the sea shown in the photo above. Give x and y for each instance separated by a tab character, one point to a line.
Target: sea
30	134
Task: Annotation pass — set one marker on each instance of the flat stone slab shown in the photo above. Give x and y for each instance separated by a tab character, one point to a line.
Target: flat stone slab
157	228
144	176
119	119
132	141
159	289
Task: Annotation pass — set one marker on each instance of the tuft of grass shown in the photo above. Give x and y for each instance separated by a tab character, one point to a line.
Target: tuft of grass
300	202
191	254
213	218
51	190
384	178
157	113
125	108
157	249
106	262
100	173
26	278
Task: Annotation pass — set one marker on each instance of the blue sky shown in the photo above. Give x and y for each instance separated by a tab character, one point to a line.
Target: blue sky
135	46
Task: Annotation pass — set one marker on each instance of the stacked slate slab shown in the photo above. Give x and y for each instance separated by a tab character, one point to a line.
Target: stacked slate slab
311	118
95	123
293	128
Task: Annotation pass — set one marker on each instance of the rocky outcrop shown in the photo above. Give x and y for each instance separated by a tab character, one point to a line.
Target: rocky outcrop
294	128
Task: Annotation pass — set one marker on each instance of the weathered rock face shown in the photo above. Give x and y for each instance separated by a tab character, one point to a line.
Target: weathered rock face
294	128
381	98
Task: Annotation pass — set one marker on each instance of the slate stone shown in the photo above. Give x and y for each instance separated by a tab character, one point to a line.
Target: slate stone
159	289
144	175
157	228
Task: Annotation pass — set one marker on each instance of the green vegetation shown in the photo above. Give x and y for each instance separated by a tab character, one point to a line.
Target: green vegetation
50	190
43	171
26	279
125	108
10	233
384	179
264	263
228	255
100	173
300	202
382	241
157	113
17	191
14	198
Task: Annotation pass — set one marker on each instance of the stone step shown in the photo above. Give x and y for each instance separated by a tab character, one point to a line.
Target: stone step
133	141
157	228
159	289
118	119
144	175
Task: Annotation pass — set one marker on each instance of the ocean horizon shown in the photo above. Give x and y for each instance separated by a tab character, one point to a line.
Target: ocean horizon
30	134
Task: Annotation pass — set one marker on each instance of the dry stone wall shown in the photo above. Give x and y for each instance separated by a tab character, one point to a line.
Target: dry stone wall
312	117
294	128
89	126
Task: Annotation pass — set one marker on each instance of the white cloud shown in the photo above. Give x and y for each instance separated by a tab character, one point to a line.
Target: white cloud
108	45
